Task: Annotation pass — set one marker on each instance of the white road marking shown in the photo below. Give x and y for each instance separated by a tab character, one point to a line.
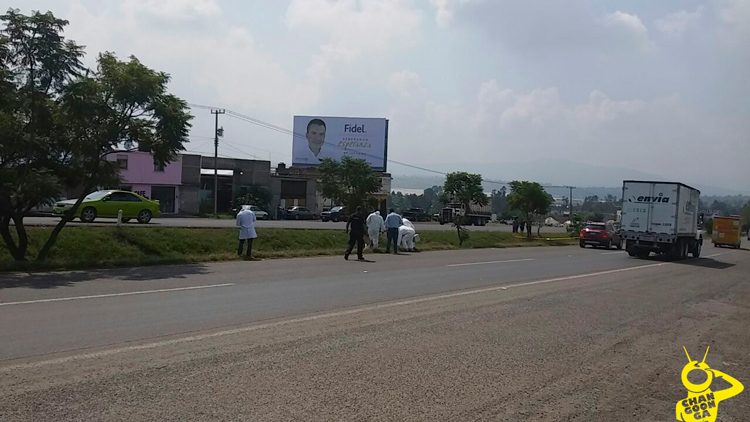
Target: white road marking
610	253
714	255
275	324
141	292
489	262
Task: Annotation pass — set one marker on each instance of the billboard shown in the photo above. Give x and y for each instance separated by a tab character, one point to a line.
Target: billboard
318	137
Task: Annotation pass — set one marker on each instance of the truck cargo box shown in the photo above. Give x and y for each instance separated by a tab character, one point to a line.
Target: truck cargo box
727	231
659	208
661	217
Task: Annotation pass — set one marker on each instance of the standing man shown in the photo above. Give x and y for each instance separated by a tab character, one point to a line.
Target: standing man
392	223
375	225
357	234
246	223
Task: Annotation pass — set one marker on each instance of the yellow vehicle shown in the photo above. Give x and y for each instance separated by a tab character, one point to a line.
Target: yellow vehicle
726	231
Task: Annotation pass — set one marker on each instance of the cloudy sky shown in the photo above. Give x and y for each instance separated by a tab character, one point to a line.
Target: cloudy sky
501	87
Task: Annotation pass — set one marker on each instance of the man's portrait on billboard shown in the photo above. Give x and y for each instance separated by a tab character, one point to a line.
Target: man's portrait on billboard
316	135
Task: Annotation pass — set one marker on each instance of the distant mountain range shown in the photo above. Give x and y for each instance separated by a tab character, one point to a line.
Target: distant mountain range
586	178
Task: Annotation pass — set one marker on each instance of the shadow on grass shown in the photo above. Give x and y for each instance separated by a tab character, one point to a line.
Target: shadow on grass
68	278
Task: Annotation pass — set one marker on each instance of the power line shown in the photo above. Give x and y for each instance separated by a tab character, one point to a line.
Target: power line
286	131
234	148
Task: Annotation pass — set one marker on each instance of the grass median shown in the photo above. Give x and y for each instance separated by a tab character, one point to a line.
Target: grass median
102	247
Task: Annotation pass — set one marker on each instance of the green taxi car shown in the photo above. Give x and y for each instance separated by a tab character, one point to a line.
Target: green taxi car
106	203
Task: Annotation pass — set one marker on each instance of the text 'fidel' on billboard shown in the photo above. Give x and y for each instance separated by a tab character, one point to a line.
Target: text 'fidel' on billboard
318	137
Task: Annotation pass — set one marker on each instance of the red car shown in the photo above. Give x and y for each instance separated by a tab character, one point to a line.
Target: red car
600	234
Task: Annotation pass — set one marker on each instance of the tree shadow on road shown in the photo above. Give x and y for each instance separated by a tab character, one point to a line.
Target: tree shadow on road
68	278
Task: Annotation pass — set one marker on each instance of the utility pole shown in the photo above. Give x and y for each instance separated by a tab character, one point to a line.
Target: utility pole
570	202
217	133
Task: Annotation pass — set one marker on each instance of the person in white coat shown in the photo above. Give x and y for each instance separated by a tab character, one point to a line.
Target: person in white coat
375	225
407	236
246	223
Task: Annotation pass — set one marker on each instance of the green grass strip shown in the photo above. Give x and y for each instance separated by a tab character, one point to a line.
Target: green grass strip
104	247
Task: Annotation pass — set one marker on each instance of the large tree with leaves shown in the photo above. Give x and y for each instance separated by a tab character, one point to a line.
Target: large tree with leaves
465	189
350	182
59	121
531	199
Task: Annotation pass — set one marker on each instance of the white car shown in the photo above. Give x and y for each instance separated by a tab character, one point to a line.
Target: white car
259	213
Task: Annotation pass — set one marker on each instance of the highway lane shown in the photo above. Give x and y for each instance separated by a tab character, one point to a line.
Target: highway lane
65	311
600	341
304	224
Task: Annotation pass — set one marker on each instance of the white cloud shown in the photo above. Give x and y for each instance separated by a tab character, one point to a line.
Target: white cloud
403	83
675	24
224	61
630	27
507	80
353	28
500	124
735	14
535	108
445	10
172	10
601	109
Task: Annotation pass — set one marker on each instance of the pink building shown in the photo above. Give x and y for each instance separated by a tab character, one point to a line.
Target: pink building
139	173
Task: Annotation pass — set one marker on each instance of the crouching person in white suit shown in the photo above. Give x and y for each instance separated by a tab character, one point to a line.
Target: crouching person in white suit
407	236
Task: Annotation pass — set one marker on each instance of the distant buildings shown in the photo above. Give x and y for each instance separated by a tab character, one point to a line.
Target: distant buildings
186	185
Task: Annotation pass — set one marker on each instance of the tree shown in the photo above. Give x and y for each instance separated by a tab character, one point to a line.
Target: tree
530	199
59	121
465	189
398	201
432	199
499	201
350	182
256	195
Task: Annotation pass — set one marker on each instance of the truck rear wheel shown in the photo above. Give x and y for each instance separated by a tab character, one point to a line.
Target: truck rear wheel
697	245
629	248
678	250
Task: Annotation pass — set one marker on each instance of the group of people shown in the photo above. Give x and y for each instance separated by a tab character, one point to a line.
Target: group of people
519	225
400	232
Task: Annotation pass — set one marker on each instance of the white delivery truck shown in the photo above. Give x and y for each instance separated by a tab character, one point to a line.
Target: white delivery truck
661	217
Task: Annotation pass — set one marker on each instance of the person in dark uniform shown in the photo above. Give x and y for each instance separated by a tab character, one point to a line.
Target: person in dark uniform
355	226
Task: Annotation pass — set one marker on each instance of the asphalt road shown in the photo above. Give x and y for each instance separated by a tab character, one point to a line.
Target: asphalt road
558	333
303	224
